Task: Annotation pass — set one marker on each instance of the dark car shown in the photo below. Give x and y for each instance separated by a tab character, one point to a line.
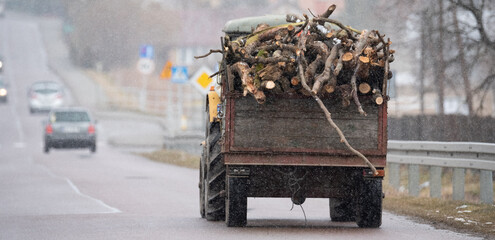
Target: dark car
3	90
70	128
45	95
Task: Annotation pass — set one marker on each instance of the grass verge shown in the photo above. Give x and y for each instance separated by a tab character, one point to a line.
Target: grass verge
460	216
173	157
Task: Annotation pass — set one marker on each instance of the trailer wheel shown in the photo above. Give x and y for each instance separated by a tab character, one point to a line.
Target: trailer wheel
215	176
342	210
369	203
236	205
201	185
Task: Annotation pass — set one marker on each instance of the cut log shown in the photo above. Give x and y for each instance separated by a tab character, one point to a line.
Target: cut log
363	67
268	84
329	88
294	81
243	71
347	57
364	88
327	74
377	97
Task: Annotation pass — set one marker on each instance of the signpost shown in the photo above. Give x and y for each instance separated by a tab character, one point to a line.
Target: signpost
145	66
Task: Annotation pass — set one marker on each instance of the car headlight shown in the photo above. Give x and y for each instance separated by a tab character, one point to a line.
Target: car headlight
3	92
1	64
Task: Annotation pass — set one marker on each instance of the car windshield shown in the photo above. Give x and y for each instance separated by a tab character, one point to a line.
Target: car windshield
70	117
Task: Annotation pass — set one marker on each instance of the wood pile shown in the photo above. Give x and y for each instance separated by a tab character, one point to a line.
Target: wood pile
335	59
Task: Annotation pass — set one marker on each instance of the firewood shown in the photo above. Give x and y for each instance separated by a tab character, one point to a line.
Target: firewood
345	92
339	65
377	96
327	74
312	67
243	71
347	57
329	11
294	81
363	67
329	88
293	18
364	88
271	72
284	84
268	84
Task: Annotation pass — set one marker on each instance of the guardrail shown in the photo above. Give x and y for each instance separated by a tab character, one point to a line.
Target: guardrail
437	155
188	142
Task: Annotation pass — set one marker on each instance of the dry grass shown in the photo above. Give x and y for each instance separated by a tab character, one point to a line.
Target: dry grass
174	157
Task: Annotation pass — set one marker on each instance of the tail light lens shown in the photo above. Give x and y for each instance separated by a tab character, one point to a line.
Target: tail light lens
91	129
49	129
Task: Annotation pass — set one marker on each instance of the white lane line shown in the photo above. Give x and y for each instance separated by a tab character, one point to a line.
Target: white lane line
76	190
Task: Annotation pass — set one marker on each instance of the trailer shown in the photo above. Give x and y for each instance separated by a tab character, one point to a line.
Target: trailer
285	148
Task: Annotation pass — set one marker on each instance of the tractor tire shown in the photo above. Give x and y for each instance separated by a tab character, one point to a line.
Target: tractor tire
202	180
236	205
369	203
342	210
215	176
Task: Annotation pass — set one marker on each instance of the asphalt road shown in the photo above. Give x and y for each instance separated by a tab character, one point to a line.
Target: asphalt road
114	194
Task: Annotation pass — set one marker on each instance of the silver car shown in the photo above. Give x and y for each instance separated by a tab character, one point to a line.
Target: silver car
70	128
45	95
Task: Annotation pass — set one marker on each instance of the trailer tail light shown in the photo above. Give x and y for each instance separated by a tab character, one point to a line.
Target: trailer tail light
91	129
49	129
369	174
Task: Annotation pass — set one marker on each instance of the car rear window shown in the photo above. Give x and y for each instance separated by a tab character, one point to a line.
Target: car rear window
46	91
70	117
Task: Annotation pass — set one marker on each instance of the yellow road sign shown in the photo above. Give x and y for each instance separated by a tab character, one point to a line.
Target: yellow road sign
166	71
201	80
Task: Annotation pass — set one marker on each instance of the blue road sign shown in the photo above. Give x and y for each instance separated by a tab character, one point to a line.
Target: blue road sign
146	51
179	74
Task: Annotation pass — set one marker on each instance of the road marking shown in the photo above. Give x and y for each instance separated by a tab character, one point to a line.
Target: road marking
76	190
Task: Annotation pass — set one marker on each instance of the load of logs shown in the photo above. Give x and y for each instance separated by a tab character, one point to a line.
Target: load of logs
335	59
315	57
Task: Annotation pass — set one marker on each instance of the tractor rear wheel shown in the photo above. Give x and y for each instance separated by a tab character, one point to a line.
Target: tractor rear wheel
215	176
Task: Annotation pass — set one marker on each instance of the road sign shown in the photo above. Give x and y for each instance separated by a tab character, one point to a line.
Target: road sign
166	71
145	66
179	74
146	51
202	81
